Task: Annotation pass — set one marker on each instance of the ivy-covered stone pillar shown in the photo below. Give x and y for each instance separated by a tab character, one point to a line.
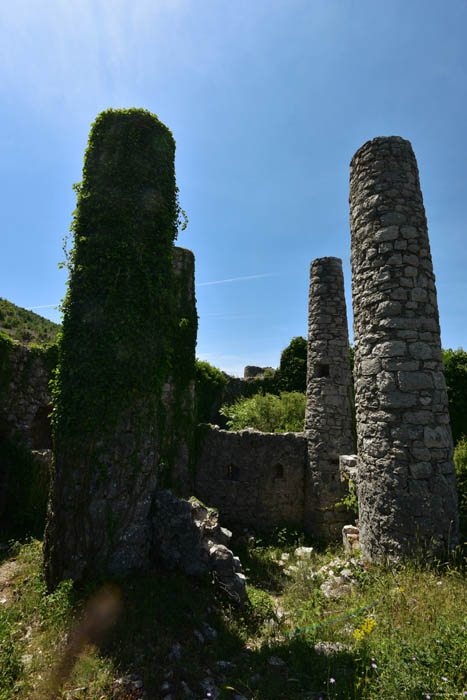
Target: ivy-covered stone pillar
328	418
406	478
126	355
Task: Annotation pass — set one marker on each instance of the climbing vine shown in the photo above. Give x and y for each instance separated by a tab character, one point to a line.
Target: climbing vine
121	328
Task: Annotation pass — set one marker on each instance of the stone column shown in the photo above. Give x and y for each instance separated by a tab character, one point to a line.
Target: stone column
407	487
328	420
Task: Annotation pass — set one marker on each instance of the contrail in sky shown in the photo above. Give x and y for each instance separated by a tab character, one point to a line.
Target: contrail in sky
200	284
234	279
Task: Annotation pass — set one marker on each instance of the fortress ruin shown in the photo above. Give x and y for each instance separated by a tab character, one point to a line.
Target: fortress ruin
111	465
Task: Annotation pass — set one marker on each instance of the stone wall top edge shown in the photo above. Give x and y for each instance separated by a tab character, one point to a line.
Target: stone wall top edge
257	433
183	252
329	259
379	141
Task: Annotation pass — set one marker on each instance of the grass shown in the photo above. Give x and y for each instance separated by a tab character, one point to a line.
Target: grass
398	633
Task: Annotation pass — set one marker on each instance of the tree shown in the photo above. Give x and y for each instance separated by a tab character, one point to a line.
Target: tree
292	368
455	370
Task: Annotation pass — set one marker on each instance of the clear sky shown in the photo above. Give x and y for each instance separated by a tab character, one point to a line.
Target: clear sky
267	100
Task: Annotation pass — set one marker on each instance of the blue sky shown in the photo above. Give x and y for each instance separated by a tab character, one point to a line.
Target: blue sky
267	100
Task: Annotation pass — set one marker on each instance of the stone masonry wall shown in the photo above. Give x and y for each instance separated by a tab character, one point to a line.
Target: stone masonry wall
407	488
254	479
24	403
181	414
328	420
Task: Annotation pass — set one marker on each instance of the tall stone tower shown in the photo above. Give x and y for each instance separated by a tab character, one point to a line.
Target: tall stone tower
328	419
407	485
123	393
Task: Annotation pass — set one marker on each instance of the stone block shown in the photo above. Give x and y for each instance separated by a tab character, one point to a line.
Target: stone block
421	470
439	436
393	218
387	233
420	350
415	381
391	348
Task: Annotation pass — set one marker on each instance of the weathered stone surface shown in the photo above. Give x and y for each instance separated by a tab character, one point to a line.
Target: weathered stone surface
397	475
328	419
253	372
254	479
24	402
186	535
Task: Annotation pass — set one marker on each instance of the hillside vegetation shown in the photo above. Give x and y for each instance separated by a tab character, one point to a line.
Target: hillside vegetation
26	326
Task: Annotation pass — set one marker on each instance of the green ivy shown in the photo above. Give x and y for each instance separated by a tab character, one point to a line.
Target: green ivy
128	331
120	320
210	383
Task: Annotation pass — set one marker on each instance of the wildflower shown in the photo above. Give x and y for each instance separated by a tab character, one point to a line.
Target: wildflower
332	680
374	666
439	583
365	630
428	697
414	658
437	641
443	678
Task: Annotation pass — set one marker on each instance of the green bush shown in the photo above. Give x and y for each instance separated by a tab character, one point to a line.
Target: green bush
460	460
455	371
292	368
210	383
268	413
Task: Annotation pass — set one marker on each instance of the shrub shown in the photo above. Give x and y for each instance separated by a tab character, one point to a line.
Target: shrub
455	371
460	460
268	413
210	383
292	368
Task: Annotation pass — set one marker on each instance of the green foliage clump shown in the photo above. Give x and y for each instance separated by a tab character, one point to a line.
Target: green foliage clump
455	372
268	413
460	460
350	500
210	383
117	325
292	368
25	326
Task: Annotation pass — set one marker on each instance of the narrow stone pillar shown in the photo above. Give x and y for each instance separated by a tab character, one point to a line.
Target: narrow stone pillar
407	486
328	419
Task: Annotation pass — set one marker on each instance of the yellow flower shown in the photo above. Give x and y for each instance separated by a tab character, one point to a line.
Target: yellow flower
368	624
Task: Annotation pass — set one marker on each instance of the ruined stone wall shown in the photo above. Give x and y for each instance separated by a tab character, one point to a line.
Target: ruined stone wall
25	436
407	490
328	420
178	394
25	395
254	479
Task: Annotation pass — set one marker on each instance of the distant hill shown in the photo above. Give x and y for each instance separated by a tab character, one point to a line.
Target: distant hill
26	326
